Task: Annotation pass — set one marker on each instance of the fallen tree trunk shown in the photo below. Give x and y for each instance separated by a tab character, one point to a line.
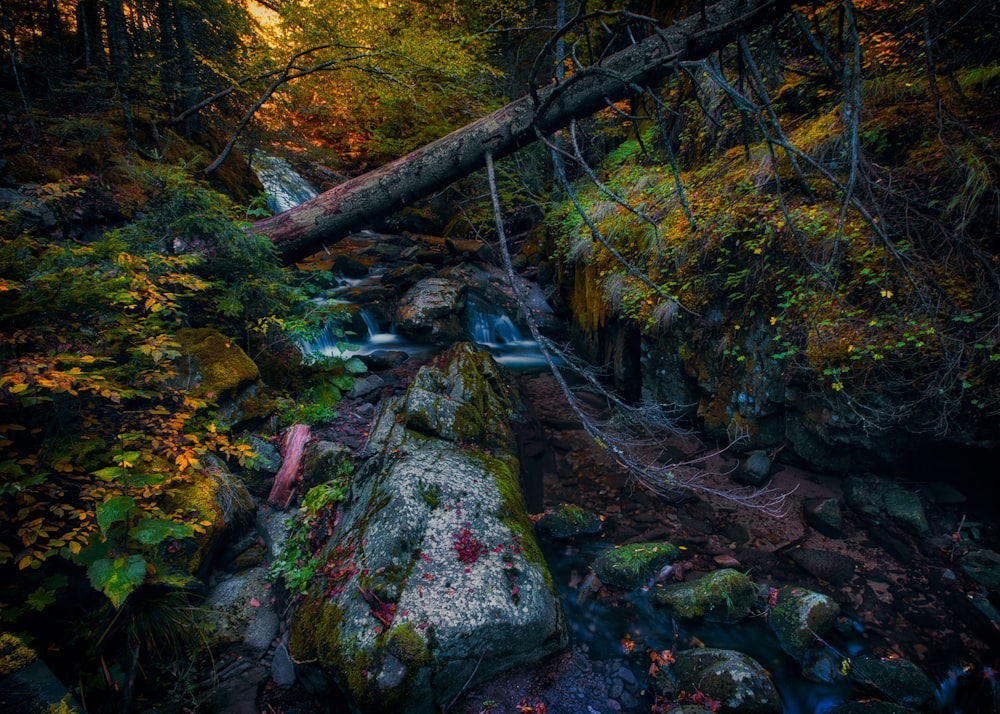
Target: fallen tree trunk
361	201
283	488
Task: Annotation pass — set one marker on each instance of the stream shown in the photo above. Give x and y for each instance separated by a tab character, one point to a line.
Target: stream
572	470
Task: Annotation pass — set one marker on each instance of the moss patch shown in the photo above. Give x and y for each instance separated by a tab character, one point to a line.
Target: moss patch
221	365
14	654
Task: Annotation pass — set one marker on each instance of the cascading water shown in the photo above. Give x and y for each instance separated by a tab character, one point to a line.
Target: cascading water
496	332
284	187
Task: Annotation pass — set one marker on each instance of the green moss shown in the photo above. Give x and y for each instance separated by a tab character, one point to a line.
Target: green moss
409	646
223	366
14	654
629	566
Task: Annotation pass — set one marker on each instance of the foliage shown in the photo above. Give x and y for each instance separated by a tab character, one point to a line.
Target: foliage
872	279
395	76
97	431
301	556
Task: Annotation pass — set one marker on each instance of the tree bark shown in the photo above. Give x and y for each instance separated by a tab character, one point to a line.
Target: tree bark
361	201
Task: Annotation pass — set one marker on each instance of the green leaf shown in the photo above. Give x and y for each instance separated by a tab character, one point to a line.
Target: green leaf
153	530
40	599
109	473
355	366
119	577
113	510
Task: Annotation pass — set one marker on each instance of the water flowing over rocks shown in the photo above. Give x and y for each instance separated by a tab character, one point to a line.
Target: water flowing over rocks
434	579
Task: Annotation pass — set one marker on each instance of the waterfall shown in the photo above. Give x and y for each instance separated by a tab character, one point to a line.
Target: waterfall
284	187
487	327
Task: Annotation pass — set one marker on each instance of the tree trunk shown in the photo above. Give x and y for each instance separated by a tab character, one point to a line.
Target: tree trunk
363	200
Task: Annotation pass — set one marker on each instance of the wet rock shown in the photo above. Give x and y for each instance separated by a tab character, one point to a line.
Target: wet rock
433	562
721	596
904	507
821	665
633	565
898	679
978	613
349	267
825	516
799	616
32	687
736	680
430	311
569	521
983	566
406	276
384	359
824	564
943	494
274	524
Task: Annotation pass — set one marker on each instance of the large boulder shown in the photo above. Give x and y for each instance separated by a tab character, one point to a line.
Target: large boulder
433	580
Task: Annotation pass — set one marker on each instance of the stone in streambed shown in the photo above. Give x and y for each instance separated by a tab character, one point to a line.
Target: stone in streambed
734	679
720	596
569	521
825	516
898	679
799	616
633	565
825	565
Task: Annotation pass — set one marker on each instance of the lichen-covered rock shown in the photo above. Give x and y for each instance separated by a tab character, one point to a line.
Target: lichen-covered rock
635	564
799	616
720	596
432	579
898	679
430	310
569	521
738	682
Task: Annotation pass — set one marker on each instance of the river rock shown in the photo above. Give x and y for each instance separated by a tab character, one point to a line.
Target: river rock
825	564
736	680
430	311
635	564
324	461
898	679
983	566
433	580
824	515
720	596
569	521
799	616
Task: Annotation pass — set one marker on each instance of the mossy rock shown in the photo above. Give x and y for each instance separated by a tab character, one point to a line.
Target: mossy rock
633	565
221	366
870	706
720	596
736	680
799	616
569	521
898	679
14	654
